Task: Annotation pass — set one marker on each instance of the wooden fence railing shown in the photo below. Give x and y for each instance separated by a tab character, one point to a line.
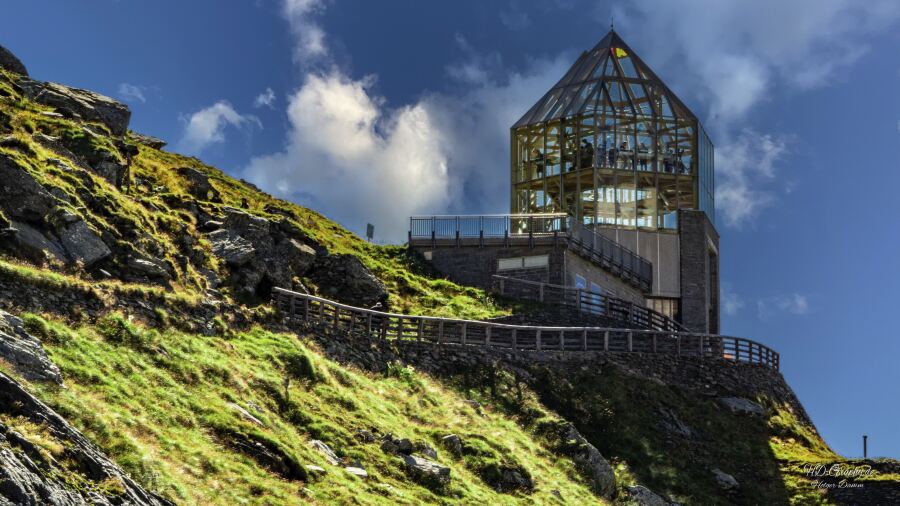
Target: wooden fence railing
585	301
302	309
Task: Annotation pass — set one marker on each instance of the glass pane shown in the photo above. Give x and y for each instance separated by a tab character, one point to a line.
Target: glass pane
606	198
625	201
646	201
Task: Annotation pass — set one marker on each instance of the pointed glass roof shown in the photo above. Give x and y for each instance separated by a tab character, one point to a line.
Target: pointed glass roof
610	76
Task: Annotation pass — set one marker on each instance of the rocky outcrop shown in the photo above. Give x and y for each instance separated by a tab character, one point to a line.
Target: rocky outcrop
198	184
344	278
24	352
9	62
425	471
260	253
640	495
30	475
79	103
587	458
148	140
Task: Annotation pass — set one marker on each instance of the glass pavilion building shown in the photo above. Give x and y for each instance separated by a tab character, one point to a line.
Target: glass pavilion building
611	145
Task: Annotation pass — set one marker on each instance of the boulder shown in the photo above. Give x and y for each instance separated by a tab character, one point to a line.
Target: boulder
198	184
640	495
357	471
31	244
365	436
260	253
28	475
588	459
725	480
390	444
82	244
513	479
21	196
85	104
246	415
9	62
453	443
425	471
148	140
143	267
326	451
671	423
741	406
24	352
345	279
314	470
427	451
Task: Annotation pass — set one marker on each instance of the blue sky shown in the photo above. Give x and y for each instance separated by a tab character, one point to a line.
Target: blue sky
371	111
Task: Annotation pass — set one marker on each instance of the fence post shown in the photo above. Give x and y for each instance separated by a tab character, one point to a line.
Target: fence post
440	331
306	309
584	339
541	292
293	302
628	334
337	317
678	345
487	335
463	334
368	324
562	340
578	300
352	322
502	286
654	342
457	231
385	321
481	231
514	343
701	346
537	340
421	329
605	340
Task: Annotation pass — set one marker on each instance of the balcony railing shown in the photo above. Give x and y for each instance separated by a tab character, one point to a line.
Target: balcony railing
509	229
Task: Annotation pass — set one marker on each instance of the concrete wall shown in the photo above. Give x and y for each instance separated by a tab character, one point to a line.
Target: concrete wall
611	284
661	249
699	272
474	265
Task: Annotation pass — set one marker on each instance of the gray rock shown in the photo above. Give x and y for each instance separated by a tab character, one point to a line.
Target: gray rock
426	471
29	477
671	423
149	268
148	140
11	63
198	184
640	495
82	244
326	451
21	196
365	436
396	445
739	405
234	249
589	459
30	243
725	480
24	352
314	470
453	443
428	451
357	471
512	479
84	103
345	279
246	414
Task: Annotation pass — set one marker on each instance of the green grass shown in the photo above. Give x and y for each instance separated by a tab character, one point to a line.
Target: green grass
160	406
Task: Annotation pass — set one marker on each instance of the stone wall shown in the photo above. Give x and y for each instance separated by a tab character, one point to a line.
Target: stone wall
611	284
474	265
699	272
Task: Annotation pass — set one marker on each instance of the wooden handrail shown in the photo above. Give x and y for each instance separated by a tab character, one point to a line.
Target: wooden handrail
332	316
587	302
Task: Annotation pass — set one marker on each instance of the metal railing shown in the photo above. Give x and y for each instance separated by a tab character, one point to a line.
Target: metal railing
584	301
531	229
307	310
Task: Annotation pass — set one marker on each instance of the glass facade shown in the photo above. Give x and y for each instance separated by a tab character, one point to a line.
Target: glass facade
611	145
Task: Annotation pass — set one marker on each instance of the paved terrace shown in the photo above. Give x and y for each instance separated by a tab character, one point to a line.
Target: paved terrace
530	230
306	311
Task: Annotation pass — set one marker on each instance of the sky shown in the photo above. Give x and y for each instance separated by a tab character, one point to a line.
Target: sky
374	111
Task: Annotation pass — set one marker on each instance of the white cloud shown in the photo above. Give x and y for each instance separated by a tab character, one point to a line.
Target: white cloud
793	303
745	165
732	303
356	160
309	36
514	18
266	98
207	126
132	92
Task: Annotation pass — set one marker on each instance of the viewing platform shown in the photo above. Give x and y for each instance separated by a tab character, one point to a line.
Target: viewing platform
532	230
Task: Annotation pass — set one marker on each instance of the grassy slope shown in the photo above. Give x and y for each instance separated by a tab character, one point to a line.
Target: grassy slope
159	402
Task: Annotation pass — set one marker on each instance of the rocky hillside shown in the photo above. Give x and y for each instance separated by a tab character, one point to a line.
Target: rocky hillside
141	364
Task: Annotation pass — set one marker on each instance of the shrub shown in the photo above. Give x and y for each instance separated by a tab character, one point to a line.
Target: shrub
405	374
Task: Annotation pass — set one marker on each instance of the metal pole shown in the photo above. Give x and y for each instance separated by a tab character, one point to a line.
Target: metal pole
865	446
